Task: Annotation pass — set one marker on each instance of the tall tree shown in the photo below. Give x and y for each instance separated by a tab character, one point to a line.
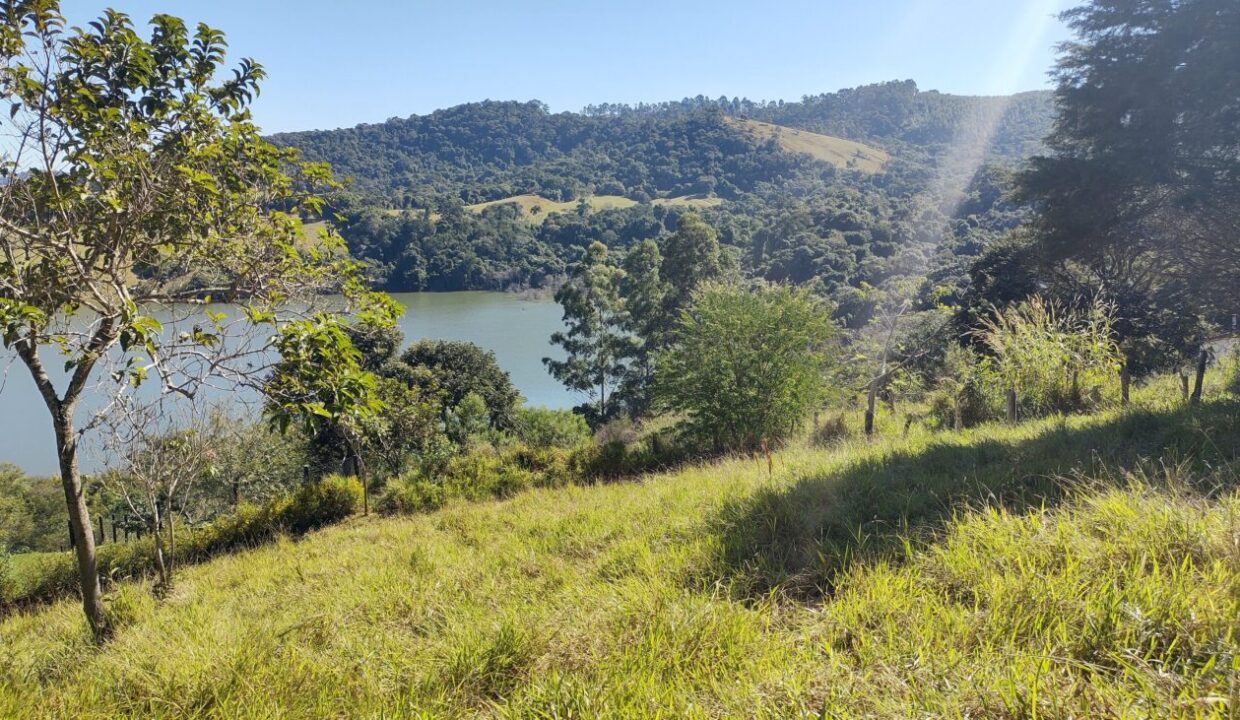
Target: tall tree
1143	184
456	370
691	256
596	343
133	179
644	293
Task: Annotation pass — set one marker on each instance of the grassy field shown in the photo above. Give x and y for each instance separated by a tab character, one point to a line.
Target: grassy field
844	154
536	209
1087	567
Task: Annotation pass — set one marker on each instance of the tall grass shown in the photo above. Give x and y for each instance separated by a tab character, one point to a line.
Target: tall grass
43	577
949	575
1056	359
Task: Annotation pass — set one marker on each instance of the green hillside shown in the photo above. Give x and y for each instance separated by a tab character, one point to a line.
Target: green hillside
832	188
948	575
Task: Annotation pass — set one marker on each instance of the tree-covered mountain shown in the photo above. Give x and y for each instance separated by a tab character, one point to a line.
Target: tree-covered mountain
849	189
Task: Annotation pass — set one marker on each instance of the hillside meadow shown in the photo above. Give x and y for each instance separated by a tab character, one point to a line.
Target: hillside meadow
535	209
1078	567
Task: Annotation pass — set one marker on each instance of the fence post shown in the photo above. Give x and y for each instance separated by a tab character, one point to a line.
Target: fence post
1011	406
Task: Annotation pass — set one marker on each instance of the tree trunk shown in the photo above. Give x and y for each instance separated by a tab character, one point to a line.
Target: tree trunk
157	539
1125	384
1184	385
79	519
172	544
359	468
1202	359
602	398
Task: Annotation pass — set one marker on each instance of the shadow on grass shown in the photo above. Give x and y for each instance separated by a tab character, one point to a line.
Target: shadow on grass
795	540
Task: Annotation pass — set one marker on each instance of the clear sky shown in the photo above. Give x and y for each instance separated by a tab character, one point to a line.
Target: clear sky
335	63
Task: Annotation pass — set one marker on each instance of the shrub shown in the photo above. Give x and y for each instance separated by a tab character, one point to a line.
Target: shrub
407	496
832	430
968	392
328	501
609	460
545	428
481	474
747	366
552	467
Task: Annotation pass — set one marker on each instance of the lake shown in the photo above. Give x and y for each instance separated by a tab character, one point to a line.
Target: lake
516	327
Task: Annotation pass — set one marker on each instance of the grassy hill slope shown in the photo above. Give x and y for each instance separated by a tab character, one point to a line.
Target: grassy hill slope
536	209
844	154
950	575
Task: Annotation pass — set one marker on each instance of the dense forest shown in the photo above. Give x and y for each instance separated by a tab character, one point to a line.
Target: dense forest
415	212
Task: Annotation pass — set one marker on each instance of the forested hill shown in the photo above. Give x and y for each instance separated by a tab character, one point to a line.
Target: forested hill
490	150
848	189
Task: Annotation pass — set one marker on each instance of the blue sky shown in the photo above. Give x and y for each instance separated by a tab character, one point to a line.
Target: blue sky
336	63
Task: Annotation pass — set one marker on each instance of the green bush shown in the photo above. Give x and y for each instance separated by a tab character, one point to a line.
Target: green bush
970	390
481	474
328	501
545	428
511	480
407	496
747	366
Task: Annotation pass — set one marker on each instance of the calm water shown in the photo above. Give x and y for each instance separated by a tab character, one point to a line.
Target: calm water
517	329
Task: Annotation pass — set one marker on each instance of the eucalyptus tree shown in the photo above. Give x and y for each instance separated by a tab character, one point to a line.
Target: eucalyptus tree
133	181
597	345
644	292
